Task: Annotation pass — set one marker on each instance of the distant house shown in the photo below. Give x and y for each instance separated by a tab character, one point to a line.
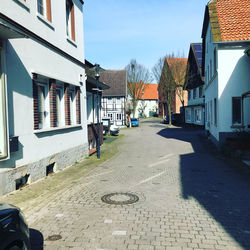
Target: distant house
148	103
226	67
114	98
42	89
195	110
172	67
93	97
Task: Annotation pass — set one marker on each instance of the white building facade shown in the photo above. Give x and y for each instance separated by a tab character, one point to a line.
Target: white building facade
227	81
43	110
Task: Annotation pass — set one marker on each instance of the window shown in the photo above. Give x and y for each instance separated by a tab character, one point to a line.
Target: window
110	116
188	114
72	106
44	9
215	60
236	110
200	92
194	93
211	73
211	111
208	71
215	112
70	19
59	107
197	115
41	106
118	116
55	104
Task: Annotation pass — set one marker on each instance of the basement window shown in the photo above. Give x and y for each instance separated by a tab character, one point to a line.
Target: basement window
50	169
22	182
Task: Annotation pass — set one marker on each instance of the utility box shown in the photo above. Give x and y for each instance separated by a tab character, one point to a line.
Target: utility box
14	144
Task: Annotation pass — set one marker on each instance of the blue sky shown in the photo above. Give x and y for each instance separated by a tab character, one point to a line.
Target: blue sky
115	31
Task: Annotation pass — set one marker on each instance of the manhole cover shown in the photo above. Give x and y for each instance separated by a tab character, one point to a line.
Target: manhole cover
120	198
54	237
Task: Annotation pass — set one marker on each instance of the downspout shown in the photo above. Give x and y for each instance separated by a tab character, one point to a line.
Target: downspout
4	151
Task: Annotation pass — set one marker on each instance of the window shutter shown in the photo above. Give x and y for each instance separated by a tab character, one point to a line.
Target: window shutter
35	103
72	16
78	106
52	103
67	104
48	5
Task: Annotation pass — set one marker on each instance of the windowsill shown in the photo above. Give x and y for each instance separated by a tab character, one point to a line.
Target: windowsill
23	4
38	131
71	41
45	21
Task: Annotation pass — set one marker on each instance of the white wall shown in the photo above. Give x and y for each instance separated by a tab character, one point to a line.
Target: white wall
211	84
54	32
151	105
234	80
24	56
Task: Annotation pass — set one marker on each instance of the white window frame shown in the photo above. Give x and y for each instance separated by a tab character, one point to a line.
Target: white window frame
72	105
46	123
68	20
44	5
61	116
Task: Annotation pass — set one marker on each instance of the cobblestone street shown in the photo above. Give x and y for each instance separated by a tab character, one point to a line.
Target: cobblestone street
188	199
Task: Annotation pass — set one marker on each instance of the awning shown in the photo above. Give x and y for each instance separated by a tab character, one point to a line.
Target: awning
8	31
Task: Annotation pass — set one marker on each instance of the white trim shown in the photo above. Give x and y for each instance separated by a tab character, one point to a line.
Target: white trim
45	20
38	131
24	3
71	41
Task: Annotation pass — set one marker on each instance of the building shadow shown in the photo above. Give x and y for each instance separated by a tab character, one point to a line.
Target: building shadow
36	239
220	188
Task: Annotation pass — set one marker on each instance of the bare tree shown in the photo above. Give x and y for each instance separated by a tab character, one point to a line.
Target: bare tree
170	72
178	68
137	76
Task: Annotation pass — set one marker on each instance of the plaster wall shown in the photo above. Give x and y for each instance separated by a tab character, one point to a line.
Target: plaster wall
24	56
211	84
25	13
151	106
234	80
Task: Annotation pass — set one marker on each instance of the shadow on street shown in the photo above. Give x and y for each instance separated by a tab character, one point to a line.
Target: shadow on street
222	190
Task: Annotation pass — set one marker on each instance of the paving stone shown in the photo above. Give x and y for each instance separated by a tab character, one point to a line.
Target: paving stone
176	207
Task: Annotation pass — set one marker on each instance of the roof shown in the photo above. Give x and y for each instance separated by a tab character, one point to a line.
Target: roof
197	51
230	20
193	77
150	92
117	80
171	60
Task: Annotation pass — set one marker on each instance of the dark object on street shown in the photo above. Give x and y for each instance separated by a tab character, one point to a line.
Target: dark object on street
134	122
114	130
14	230
176	119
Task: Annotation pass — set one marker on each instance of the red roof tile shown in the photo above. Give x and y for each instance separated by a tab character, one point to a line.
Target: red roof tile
150	92
234	19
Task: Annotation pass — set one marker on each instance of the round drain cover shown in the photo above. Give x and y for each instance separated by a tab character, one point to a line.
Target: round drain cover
120	198
54	237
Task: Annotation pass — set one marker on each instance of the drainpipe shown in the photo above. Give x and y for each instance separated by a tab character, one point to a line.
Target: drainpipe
3	114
